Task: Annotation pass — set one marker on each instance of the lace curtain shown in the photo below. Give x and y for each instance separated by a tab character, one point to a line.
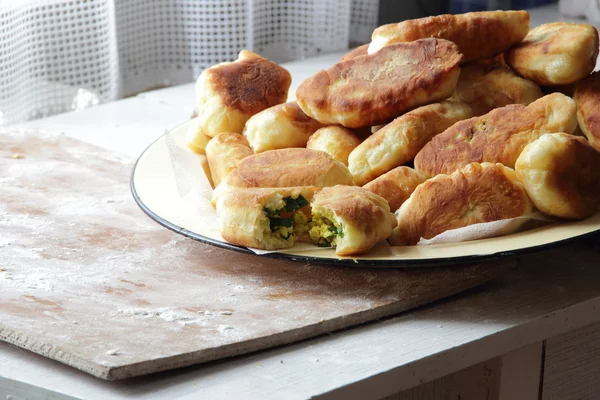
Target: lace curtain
63	55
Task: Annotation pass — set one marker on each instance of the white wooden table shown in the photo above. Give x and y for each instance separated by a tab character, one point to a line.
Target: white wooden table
532	334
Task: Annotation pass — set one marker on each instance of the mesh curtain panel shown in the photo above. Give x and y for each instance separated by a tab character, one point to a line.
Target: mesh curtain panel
63	55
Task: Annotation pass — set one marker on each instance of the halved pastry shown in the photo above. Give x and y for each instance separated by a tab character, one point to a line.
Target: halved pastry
479	35
561	174
558	53
373	89
229	93
334	140
587	96
473	194
396	186
280	127
289	167
223	152
264	218
498	136
399	141
484	88
350	218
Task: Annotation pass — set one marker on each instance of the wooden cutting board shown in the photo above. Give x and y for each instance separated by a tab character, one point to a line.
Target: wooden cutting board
88	280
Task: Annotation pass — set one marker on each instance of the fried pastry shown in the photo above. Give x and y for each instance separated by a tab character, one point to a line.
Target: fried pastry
356	52
228	94
396	186
223	152
287	168
498	136
587	96
474	194
561	174
558	53
195	137
484	88
264	218
399	141
374	89
334	140
479	35
350	218
280	127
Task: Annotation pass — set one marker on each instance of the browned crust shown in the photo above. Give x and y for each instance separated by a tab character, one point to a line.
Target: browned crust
373	89
298	118
571	169
474	194
250	84
575	173
498	136
587	96
289	167
396	186
555	39
479	35
486	87
356	52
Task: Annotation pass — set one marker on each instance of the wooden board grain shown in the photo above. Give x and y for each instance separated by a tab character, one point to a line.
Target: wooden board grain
88	280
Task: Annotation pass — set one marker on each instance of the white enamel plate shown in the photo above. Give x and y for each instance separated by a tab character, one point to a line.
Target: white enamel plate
170	185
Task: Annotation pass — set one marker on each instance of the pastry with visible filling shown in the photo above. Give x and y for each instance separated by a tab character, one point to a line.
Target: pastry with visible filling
223	152
350	218
558	53
561	174
264	218
484	88
229	93
280	127
399	141
479	35
334	140
374	89
474	194
396	186
498	136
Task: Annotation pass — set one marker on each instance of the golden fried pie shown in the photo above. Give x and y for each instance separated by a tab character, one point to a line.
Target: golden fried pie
498	136
561	174
370	90
399	141
280	127
264	218
334	140
350	218
479	35
484	88
195	137
223	152
473	194
228	94
558	53
396	186
587	96
289	167
356	52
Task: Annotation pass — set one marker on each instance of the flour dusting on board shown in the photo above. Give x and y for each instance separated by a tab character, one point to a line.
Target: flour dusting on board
88	279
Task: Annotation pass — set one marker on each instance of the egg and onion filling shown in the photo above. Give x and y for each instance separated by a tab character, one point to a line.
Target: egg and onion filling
285	219
324	230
